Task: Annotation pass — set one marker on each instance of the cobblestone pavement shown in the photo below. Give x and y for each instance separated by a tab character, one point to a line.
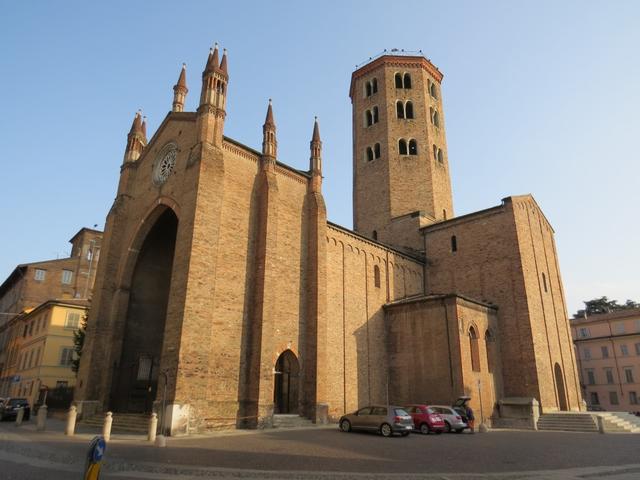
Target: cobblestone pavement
324	453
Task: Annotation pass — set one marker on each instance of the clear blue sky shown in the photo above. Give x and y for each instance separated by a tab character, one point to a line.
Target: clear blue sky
540	97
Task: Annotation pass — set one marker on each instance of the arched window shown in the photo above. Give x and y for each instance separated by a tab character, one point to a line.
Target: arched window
408	109
413	147
376	150
375	235
433	91
369	154
407	80
367	89
435	152
376	276
490	343
444	214
440	157
431	113
398	80
436	118
374	86
473	347
399	109
454	243
402	146
369	118
375	114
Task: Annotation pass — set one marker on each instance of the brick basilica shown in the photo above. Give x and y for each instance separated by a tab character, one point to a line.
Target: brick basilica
224	296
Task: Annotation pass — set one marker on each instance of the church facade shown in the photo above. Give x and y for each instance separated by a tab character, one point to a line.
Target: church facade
225	295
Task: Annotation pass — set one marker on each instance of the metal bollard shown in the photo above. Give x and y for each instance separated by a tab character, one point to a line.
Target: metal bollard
71	421
106	428
153	427
41	420
19	416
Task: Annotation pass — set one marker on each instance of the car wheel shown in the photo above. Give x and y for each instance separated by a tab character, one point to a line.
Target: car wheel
459	430
424	429
385	430
447	427
345	425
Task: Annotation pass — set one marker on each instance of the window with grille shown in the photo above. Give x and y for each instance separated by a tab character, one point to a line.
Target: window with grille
66	356
609	374
628	375
67	275
72	320
40	274
613	398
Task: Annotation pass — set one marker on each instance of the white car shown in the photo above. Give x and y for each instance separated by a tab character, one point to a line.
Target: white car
452	420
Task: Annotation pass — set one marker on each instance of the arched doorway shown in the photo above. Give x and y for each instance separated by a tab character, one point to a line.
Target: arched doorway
562	395
136	379
285	392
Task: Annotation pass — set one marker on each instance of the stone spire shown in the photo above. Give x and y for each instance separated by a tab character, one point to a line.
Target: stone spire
269	143
180	91
213	99
315	161
136	140
144	129
223	63
213	60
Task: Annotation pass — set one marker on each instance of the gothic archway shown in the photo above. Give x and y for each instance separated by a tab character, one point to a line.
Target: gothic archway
562	395
285	392
136	378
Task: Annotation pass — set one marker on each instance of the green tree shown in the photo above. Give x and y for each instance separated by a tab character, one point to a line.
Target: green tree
604	305
78	344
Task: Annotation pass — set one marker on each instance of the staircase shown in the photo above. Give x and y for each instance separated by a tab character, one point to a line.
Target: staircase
568	422
122	422
291	421
620	422
612	422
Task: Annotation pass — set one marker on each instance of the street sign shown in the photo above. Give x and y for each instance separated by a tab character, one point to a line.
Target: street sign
98	450
93	462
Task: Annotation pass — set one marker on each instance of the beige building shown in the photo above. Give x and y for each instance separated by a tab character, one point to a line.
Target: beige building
32	284
608	351
222	279
40	357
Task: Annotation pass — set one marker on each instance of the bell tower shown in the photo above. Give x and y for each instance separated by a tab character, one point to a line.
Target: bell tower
400	163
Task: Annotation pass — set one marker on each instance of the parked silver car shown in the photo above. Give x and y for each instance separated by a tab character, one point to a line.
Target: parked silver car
452	420
377	418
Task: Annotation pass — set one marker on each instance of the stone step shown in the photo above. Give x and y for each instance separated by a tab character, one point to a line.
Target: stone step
291	421
572	422
132	423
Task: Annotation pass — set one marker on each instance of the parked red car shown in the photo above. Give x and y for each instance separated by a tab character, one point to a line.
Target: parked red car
425	419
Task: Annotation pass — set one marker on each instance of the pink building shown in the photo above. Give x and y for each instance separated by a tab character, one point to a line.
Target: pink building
608	354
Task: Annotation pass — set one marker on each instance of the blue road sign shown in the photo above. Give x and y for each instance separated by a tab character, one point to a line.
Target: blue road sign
98	450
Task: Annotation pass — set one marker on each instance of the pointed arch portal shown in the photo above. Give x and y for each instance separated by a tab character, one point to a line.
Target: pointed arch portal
285	392
562	396
136	378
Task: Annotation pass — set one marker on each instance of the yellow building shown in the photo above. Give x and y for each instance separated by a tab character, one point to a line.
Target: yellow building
43	349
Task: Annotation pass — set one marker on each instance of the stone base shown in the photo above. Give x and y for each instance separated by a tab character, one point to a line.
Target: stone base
176	420
322	414
518	412
87	408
